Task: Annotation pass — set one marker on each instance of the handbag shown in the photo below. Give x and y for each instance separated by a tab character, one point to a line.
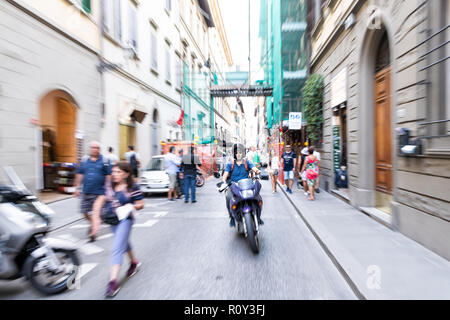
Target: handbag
108	213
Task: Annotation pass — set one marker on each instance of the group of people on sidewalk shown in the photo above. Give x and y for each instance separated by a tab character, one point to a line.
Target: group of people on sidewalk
182	171
308	169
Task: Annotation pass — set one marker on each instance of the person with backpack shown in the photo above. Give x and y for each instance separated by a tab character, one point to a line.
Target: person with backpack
134	161
188	173
91	173
235	171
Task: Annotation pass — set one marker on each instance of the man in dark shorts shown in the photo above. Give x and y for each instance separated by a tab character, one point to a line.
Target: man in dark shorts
92	172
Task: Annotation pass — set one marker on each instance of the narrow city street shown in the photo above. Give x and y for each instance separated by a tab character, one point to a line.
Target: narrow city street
188	251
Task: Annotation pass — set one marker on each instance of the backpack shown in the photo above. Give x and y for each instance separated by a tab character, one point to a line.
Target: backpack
232	168
133	162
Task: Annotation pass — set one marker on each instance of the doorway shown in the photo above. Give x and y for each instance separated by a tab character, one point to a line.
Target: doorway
59	150
383	133
127	138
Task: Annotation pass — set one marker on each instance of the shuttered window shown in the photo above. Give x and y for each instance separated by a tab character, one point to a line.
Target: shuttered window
132	25
154	52
178	72
169	5
168	66
117	20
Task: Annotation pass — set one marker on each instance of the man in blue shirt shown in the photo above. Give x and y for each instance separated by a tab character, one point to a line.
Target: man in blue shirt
289	161
93	171
238	172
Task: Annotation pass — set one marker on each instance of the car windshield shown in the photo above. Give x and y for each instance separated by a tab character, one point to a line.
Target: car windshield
156	164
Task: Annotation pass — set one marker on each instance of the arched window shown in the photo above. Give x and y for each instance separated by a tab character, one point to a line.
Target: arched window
383	58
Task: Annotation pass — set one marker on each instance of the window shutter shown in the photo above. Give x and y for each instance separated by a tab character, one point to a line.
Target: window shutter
117	21
168	69
87	5
154	57
132	24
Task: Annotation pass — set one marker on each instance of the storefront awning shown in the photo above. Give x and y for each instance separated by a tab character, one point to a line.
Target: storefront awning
132	112
138	114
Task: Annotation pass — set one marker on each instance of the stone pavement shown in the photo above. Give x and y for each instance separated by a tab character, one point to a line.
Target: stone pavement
380	263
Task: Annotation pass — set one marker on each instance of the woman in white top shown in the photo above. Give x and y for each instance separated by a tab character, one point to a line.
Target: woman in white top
274	163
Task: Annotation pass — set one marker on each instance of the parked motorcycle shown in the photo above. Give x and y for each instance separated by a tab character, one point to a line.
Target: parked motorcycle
246	206
49	264
200	179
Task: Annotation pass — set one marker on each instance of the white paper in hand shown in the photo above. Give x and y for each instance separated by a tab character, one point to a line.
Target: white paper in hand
124	212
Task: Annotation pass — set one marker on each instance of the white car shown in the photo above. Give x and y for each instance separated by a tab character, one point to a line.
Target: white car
154	178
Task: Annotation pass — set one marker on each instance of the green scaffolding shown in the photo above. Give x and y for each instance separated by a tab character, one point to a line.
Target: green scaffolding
283	55
198	106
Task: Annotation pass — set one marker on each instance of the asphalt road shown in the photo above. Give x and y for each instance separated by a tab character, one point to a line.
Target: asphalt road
189	252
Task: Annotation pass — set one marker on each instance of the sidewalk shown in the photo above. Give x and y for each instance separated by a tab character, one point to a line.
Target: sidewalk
50	197
381	263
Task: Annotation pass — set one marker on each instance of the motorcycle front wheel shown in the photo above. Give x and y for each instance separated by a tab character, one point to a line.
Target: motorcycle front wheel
252	236
200	181
46	281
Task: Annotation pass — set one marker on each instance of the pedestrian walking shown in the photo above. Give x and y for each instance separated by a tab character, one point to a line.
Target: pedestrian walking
91	173
304	154
312	169
112	157
317	186
274	166
134	160
171	163
180	189
123	197
289	161
189	174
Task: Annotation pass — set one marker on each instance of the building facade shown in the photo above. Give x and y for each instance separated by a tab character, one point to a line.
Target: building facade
195	20
142	76
50	88
386	75
221	61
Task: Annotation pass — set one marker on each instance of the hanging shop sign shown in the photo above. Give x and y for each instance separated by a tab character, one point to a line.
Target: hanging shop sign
295	121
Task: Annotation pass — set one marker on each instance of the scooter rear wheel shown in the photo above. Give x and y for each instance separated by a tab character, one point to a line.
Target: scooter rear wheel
200	181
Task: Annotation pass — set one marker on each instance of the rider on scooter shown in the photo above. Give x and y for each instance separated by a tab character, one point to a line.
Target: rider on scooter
237	170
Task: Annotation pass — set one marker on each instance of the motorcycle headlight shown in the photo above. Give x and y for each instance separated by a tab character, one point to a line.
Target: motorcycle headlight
247	194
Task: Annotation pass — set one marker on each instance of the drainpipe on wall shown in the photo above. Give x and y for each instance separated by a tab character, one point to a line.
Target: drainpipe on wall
101	70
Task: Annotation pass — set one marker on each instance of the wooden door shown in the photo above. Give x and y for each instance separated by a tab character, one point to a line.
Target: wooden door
127	138
383	137
66	150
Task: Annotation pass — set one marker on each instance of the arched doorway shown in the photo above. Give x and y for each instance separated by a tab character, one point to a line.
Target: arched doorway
375	142
155	136
58	122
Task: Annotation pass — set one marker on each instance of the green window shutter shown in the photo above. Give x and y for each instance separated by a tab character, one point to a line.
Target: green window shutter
87	5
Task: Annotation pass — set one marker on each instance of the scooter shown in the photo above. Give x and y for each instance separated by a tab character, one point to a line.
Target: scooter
199	179
50	265
246	206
